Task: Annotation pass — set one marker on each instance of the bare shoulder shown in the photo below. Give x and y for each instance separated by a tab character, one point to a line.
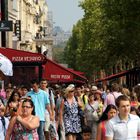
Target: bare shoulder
12	121
100	125
35	117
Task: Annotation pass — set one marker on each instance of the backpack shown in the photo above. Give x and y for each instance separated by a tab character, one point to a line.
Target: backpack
83	98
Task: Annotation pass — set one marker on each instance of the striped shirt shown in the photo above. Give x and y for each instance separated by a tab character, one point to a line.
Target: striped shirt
123	130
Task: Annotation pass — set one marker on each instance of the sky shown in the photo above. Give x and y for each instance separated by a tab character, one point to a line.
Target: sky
66	13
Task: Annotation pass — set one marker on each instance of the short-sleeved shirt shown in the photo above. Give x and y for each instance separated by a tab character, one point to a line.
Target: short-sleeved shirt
89	111
2	128
51	98
110	98
40	101
123	130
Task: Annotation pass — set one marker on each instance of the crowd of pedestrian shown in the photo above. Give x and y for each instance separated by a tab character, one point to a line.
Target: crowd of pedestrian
69	112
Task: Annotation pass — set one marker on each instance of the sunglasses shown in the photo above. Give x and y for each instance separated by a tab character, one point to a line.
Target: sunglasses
26	107
71	91
16	95
8	91
43	83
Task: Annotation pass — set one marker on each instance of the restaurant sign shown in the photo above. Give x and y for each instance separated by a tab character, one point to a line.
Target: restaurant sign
26	58
6	25
59	76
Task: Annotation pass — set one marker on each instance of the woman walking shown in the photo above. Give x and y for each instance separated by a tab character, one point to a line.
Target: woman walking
91	114
109	112
69	114
24	127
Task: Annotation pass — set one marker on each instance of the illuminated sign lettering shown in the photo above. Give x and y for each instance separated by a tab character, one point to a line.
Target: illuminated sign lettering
26	58
57	76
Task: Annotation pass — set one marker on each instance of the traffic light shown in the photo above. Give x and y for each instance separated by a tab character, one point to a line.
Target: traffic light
18	29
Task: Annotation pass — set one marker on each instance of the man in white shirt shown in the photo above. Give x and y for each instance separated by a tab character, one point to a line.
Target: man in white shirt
123	126
4	122
48	118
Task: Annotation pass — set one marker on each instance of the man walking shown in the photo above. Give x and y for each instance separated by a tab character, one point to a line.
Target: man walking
48	119
123	126
41	102
113	95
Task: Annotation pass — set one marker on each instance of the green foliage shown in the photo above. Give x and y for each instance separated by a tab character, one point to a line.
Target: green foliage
108	33
58	52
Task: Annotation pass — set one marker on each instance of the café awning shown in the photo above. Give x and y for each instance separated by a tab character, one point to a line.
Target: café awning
56	73
113	76
52	71
19	56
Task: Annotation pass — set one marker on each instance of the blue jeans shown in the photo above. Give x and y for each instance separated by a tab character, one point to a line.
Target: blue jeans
40	130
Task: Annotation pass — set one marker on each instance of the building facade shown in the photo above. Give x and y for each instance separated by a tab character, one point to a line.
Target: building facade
30	26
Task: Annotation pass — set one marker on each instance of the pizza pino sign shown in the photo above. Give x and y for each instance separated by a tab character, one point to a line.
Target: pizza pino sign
60	76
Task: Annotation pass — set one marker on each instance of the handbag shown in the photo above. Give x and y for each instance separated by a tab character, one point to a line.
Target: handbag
94	114
61	132
53	132
81	114
80	111
82	117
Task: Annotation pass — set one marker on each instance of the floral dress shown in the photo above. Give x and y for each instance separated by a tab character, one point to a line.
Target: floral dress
21	133
72	122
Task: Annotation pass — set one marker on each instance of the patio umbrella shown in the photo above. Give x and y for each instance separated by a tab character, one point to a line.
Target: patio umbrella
6	66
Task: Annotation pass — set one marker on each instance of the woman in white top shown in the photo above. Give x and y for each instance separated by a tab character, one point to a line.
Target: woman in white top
91	114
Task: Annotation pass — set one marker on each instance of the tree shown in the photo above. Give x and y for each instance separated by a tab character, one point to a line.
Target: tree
58	52
107	35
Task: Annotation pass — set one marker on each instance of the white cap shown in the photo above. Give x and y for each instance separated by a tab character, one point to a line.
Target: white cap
94	88
71	85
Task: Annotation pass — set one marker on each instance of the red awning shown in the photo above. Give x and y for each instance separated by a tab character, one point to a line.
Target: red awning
123	73
78	72
54	72
17	56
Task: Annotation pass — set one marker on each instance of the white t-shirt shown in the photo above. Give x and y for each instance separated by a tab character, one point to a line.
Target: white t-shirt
2	130
51	98
123	130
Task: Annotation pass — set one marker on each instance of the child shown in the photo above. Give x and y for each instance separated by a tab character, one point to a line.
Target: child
86	133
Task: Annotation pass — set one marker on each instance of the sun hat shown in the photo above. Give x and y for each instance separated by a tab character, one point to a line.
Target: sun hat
68	89
98	92
71	85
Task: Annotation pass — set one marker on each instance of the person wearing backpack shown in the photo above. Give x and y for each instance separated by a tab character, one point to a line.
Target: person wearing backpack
85	96
81	95
41	102
113	95
49	120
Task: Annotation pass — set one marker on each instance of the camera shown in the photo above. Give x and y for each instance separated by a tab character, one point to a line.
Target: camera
15	109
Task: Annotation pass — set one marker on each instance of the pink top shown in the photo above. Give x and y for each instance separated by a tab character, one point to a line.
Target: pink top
103	130
110	98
